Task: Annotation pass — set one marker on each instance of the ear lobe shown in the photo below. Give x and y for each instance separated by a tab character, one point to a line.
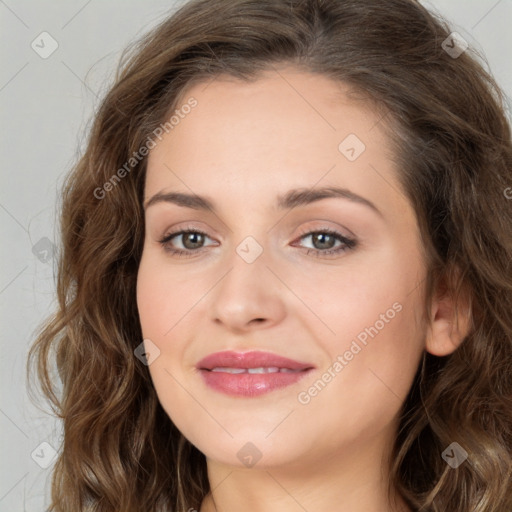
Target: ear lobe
449	324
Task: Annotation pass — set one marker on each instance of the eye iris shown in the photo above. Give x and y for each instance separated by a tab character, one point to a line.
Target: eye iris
196	238
321	238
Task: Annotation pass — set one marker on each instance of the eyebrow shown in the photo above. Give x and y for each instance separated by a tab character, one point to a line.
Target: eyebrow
292	199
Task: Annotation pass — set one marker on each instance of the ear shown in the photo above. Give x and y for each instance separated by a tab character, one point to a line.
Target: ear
450	321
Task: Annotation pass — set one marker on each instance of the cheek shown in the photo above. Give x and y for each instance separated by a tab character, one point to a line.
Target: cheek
390	342
365	383
162	296
375	337
150	298
161	303
170	303
385	325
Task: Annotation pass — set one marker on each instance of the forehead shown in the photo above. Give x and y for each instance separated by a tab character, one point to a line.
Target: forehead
287	129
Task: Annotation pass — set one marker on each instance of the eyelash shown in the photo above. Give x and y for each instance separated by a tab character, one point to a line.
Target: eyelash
348	243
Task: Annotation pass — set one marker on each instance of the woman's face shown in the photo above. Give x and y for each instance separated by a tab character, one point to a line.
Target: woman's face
309	251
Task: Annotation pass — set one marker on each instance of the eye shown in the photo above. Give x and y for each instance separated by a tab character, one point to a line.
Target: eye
191	242
324	242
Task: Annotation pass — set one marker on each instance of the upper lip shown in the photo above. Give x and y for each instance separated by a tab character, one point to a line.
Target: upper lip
252	359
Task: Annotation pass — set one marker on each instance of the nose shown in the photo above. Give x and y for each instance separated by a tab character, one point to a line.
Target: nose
248	297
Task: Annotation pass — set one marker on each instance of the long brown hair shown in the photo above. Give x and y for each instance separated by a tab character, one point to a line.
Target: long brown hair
452	141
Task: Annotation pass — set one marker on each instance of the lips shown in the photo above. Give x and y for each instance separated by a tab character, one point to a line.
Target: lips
250	373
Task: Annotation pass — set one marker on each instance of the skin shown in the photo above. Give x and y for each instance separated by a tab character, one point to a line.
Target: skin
242	146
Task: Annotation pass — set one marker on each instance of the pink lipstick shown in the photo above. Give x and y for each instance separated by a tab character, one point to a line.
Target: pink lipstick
250	374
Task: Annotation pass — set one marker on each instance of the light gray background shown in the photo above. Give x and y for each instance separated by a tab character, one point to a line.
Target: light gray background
46	107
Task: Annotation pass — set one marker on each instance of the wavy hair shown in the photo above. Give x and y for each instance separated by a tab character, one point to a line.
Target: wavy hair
452	142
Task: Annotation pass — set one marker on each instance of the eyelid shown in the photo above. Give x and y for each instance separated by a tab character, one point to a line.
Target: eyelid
303	231
326	229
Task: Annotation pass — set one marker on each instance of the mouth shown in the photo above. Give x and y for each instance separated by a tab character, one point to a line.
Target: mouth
249	374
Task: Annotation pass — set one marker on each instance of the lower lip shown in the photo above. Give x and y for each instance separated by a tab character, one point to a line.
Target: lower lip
250	384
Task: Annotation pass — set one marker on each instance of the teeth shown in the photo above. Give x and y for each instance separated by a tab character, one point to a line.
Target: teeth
228	370
270	369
